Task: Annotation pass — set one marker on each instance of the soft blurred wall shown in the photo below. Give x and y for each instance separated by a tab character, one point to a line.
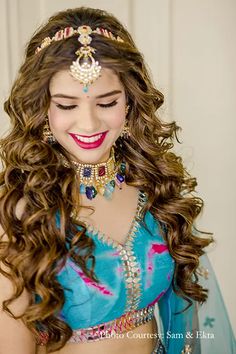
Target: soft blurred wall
190	49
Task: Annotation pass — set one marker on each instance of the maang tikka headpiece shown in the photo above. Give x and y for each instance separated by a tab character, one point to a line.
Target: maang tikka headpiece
85	69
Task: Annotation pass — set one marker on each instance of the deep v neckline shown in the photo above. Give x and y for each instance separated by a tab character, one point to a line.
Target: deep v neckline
130	235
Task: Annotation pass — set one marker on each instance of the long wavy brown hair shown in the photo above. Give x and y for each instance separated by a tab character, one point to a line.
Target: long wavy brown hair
35	249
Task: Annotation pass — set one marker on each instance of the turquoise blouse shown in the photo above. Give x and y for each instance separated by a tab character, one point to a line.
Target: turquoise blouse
137	274
131	276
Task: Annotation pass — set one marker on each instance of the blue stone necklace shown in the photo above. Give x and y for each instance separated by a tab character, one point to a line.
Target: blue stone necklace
99	178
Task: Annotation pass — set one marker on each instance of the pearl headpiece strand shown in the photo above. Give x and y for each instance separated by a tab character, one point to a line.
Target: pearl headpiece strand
85	69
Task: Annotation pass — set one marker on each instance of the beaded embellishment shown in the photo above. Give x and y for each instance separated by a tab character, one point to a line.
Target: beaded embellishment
84	69
98	178
129	260
125	323
68	32
133	317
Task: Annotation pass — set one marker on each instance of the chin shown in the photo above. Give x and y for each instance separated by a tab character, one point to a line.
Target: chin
91	156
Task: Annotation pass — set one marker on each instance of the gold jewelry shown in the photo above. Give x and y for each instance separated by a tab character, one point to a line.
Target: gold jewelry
98	178
85	68
127	109
48	137
125	133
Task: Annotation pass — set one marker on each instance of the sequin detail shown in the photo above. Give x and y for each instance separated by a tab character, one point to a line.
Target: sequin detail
130	265
123	324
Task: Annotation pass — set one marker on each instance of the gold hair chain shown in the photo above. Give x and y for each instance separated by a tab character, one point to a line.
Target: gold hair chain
85	68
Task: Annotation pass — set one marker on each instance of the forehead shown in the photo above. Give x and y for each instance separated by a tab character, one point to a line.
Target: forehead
64	82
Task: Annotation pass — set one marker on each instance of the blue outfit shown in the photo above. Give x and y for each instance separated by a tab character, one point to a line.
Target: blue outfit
88	304
138	274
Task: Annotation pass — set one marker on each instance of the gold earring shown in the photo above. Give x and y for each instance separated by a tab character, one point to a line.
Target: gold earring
125	133
127	109
47	134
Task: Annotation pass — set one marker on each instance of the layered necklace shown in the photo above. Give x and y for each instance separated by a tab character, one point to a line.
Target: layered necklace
98	178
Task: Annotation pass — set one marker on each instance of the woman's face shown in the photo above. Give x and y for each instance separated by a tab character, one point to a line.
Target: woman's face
86	125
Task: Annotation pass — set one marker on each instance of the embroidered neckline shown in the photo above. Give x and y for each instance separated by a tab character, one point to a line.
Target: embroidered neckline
131	267
130	264
142	199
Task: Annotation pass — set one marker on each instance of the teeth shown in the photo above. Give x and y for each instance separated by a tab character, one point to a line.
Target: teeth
89	140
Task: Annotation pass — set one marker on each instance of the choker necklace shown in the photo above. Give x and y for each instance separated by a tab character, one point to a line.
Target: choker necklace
98	178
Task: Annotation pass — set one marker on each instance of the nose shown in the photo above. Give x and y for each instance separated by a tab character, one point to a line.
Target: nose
87	121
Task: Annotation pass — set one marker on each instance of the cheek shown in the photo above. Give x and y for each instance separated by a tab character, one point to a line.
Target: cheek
117	119
57	120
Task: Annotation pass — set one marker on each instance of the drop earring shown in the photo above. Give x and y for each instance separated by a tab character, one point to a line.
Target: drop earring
48	137
125	133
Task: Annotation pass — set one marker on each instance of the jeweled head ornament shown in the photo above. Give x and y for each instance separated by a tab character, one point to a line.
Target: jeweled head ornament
85	68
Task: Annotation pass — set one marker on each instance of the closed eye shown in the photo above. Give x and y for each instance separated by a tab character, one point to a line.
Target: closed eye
107	105
61	106
69	107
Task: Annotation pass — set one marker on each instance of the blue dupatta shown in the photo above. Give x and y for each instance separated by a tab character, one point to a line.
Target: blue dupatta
201	329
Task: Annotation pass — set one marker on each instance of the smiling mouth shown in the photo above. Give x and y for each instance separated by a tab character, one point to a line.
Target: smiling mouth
91	139
89	142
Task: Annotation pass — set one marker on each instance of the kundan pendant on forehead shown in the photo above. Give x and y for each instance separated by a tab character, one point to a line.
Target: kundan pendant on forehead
85	69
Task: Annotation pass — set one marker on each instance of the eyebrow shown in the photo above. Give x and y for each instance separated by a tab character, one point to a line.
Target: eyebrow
107	94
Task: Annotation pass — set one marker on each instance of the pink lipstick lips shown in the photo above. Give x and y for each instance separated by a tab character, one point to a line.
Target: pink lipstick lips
89	142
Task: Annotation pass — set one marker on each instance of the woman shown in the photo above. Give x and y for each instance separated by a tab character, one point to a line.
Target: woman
97	213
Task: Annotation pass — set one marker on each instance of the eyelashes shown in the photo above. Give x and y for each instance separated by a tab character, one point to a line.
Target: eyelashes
60	106
70	107
113	103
